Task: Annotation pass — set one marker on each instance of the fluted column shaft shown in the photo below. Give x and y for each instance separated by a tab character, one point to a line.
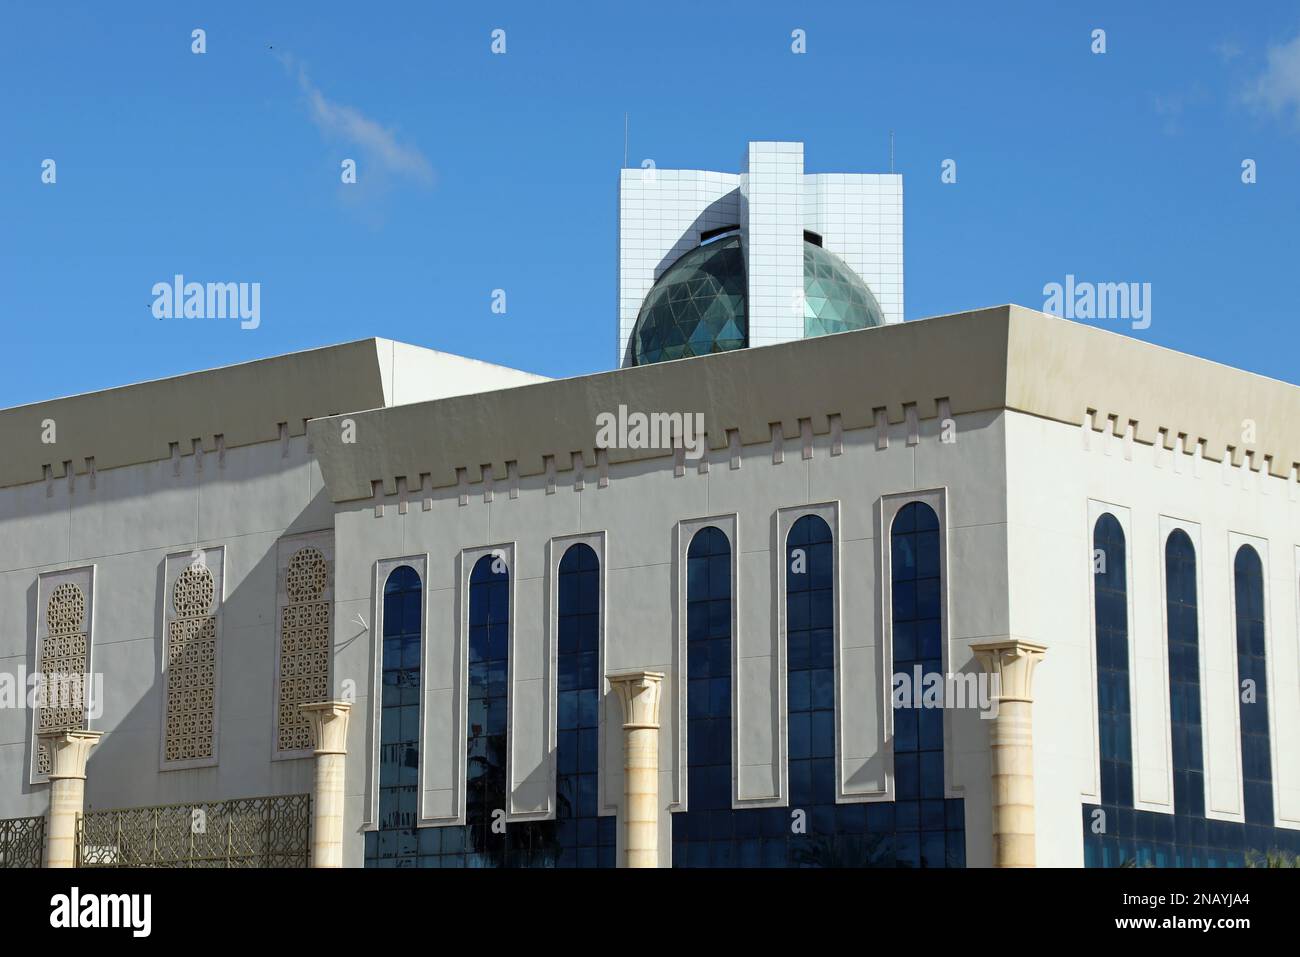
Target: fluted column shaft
1011	743
329	724
639	692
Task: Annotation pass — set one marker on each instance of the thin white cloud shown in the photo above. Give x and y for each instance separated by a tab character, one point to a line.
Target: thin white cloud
377	142
1277	89
1228	50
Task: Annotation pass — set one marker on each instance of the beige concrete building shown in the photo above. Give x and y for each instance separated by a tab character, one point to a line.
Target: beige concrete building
543	640
799	584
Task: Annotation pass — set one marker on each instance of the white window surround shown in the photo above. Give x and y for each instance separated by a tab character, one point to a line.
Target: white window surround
1167	526
286	549
1235	542
1122	515
888	508
683	533
785	520
383	568
214	558
83	576
465	562
555	551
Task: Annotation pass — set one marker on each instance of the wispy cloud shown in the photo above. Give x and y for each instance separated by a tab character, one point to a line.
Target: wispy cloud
377	143
1228	50
1277	89
1171	107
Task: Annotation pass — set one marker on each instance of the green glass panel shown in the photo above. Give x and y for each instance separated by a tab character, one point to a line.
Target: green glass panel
698	306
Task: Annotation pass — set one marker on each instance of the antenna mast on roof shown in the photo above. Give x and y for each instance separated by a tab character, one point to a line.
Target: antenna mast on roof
891	151
625	141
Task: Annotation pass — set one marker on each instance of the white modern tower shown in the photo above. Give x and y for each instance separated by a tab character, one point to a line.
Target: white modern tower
666	213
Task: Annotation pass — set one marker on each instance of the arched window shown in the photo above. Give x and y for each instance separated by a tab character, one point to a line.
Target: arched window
489	680
810	661
930	833
1252	692
1110	598
708	705
1184	674
396	843
584	838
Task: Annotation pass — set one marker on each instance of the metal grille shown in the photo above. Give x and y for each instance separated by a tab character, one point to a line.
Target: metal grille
250	832
22	841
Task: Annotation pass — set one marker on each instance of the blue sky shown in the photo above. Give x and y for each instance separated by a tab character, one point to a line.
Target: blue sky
479	171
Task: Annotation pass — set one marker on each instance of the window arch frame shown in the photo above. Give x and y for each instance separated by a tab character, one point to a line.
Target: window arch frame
1236	543
1121	514
468	559
684	533
786	519
556	549
1168	529
383	636
383	568
889	507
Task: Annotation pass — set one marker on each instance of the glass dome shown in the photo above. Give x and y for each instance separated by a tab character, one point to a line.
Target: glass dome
698	306
835	297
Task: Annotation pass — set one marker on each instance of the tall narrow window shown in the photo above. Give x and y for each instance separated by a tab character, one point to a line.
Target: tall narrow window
708	707
583	837
489	651
396	842
931	830
1184	674
1110	597
1252	673
810	650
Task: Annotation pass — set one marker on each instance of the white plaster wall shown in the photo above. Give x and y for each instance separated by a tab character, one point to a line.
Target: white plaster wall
1054	470
126	526
415	374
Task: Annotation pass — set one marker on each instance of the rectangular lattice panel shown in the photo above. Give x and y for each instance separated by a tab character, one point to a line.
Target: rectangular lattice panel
192	601
305	599
64	617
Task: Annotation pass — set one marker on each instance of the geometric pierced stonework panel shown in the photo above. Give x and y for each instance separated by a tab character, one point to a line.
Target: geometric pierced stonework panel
191	666
22	841
63	662
304	657
249	832
305	580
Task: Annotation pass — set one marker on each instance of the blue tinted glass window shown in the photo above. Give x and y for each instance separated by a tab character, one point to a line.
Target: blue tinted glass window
582	837
1256	758
489	678
1184	674
810	661
1110	597
1117	835
814	830
918	664
396	842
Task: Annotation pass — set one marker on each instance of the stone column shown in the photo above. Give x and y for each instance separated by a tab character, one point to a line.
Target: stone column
69	750
1011	741
329	734
640	692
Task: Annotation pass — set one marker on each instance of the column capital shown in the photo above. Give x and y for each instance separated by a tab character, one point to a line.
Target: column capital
640	692
69	749
329	725
1012	660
